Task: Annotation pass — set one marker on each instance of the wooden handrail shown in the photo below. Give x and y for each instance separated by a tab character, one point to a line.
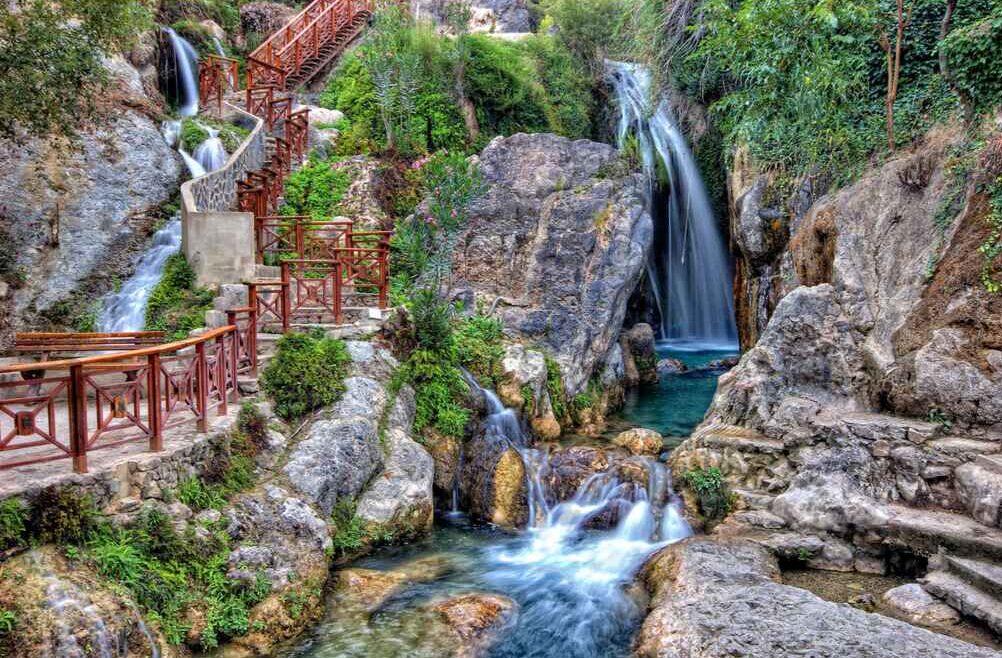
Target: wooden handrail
108	358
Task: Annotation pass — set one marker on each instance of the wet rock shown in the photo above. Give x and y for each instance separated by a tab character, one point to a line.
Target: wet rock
670	367
639	349
913	604
725	363
712	599
477	620
366	588
493	482
640	441
557	245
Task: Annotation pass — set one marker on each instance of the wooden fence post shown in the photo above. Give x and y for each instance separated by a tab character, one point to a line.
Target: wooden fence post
77	404
153	403
202	384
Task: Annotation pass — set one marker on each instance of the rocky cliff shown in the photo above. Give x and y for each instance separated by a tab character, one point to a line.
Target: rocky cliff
556	246
76	211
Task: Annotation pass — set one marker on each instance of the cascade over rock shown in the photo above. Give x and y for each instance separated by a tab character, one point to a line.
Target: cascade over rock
557	244
75	215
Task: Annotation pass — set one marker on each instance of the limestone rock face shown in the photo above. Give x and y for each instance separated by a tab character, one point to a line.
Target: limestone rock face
559	241
75	215
721	598
399	501
264	18
490	16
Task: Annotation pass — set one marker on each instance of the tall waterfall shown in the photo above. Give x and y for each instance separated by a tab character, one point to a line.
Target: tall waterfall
185	73
690	272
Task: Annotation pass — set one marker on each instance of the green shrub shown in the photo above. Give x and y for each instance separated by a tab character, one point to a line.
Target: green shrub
347	528
504	87
973	53
439	389
479	348
63	517
589	28
8	621
307	373
252	425
571	102
555	387
315	189
711	491
13	515
176	304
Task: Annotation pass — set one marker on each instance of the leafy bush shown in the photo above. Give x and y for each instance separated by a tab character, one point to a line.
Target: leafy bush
193	133
176	305
252	425
973	53
479	348
555	387
438	389
347	528
13	515
63	517
589	28
571	102
505	88
315	189
51	64
307	373
169	574
711	491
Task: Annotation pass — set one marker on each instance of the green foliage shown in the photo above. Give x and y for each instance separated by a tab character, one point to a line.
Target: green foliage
973	53
939	417
479	348
8	621
991	248
252	425
51	69
567	83
347	528
307	373
555	387
62	517
438	389
711	491
794	75
315	189
589	28
193	133
176	304
168	574
13	516
505	88
204	493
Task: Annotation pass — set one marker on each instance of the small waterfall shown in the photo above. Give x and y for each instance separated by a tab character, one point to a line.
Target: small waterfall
211	154
71	606
185	73
125	310
218	45
690	272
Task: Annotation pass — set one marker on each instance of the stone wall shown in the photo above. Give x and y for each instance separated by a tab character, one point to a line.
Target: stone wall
218	242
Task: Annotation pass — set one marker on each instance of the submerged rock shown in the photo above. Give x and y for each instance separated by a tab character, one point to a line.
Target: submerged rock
671	367
477	620
715	599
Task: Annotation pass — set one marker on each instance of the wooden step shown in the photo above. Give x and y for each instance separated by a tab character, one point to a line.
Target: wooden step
965	598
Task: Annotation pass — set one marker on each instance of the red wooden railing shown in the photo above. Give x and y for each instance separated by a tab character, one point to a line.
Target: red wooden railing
99	402
320	32
216	76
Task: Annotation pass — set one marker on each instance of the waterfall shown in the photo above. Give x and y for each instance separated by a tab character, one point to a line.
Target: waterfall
185	73
690	272
125	310
218	45
211	154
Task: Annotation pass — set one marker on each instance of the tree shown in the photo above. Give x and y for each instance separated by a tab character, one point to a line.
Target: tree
394	67
457	17
51	60
892	54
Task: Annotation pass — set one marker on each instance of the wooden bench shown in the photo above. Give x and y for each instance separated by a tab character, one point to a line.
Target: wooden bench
42	345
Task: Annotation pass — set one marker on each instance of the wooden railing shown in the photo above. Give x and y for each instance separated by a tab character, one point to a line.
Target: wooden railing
216	76
99	402
304	38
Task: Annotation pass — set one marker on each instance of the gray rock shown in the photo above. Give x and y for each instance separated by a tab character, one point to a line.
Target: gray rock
558	242
913	604
714	599
335	460
399	500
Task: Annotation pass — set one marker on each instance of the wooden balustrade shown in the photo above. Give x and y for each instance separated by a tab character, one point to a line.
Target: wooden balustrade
100	402
216	76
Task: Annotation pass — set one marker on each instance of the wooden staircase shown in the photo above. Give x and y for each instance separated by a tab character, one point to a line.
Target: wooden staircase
303	48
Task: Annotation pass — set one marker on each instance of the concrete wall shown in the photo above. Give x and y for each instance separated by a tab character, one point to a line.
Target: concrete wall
217	241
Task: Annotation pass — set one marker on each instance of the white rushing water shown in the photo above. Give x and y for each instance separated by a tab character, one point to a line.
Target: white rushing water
185	73
690	270
125	310
570	580
211	154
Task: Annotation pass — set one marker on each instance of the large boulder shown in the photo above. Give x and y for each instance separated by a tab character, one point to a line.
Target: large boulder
558	244
492	484
713	599
77	212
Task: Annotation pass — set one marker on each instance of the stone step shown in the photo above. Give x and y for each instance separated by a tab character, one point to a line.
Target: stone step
986	576
719	435
965	598
927	532
979	487
871	426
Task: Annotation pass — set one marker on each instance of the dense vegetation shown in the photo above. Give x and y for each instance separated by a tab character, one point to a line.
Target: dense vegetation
177	305
410	90
307	373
